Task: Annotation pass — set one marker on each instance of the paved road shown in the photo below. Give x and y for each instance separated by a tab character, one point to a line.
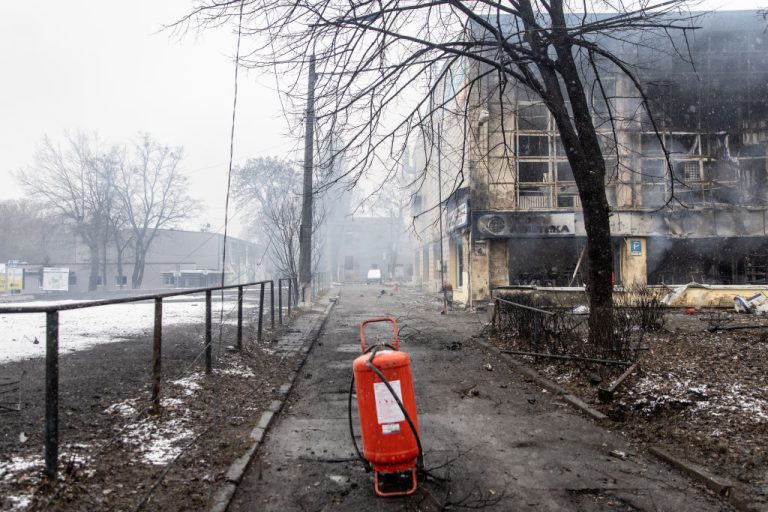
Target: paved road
502	442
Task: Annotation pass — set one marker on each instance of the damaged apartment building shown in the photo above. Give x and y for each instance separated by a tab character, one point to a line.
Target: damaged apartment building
510	210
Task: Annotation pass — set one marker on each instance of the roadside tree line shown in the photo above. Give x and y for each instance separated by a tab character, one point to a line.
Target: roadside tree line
110	195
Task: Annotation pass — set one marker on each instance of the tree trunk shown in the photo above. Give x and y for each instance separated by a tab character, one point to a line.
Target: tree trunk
104	261
138	264
119	267
295	288
141	270
93	277
588	165
599	281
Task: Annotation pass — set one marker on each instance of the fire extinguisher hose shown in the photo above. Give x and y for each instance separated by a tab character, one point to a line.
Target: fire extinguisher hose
366	464
369	364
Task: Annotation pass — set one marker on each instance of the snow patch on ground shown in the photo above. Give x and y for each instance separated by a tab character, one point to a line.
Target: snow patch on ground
236	369
22	336
171	403
126	408
16	465
157	442
656	391
189	384
20	502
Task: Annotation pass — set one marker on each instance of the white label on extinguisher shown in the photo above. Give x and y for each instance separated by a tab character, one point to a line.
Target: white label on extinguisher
387	410
390	428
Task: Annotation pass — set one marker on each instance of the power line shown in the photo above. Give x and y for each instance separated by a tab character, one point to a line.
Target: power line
231	157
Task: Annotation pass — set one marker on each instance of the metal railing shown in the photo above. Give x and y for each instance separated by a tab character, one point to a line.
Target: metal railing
51	434
292	295
554	331
320	282
562	333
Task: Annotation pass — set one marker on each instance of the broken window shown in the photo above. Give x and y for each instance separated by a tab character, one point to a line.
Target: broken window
652	170
533	172
534	197
533	117
683	145
564	172
715	145
723	172
753	172
559	148
533	145
688	171
649	144
568	201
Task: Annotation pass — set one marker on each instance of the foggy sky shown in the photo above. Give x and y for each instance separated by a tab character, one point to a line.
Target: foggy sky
102	66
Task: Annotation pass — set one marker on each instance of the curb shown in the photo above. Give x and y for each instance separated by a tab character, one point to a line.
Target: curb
223	496
547	384
724	487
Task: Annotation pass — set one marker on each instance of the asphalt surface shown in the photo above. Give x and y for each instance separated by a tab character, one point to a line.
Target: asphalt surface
493	440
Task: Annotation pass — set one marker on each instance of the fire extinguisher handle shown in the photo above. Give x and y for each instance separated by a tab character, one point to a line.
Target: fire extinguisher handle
375	320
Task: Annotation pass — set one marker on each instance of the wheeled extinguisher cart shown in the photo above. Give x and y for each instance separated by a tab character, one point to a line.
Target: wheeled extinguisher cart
387	410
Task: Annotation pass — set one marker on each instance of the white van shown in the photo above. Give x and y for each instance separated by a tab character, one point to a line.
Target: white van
374	276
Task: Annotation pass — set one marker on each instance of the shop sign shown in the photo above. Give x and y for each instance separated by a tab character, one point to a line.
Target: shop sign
457	217
523	225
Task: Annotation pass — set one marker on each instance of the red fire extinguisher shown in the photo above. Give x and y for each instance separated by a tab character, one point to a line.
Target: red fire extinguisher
387	410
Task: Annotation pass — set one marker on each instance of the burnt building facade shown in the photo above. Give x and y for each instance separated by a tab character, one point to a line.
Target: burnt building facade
688	196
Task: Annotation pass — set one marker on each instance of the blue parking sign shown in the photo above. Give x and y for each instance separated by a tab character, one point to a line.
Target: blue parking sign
636	247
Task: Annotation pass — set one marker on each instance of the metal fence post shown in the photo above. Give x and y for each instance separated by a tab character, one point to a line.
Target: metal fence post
239	344
208	363
280	300
157	343
261	308
272	301
51	393
290	295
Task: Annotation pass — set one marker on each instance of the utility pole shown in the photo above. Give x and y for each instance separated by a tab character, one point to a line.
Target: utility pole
305	234
440	211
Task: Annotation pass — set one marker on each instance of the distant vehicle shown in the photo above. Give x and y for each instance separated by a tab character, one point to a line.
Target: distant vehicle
374	276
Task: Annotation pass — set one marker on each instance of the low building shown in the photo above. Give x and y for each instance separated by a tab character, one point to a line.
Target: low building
176	259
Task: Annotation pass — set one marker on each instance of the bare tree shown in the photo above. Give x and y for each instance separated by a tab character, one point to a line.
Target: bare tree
384	69
151	193
25	231
122	237
270	189
74	183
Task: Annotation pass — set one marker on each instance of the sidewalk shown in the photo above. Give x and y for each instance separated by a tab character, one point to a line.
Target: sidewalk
503	443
